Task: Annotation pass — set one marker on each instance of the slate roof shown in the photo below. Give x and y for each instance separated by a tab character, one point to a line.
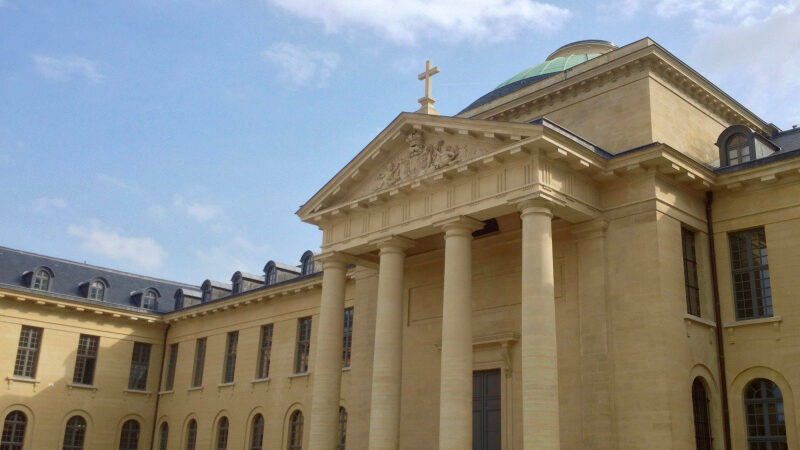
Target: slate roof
69	275
788	140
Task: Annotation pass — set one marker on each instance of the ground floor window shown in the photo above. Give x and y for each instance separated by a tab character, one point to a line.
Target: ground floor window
766	421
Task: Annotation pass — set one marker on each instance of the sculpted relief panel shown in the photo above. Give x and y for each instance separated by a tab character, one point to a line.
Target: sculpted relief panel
420	157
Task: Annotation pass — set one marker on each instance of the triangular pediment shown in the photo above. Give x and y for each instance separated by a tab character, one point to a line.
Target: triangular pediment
413	147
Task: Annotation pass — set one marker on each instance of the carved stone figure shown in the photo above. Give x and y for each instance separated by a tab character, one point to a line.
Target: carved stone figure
419	160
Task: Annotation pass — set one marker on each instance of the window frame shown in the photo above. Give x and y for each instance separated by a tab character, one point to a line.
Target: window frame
129	436
347	336
690	276
75	433
150	299
163	436
198	368
223	428
17	426
742	304
229	364
36	279
140	366
303	345
27	360
763	403
257	432
169	379
86	360
342	429
701	415
295	438
264	352
191	435
95	293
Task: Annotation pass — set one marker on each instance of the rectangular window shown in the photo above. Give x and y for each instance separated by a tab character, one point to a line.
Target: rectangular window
140	363
264	352
752	292
690	273
169	382
230	357
348	337
30	340
86	360
199	362
303	345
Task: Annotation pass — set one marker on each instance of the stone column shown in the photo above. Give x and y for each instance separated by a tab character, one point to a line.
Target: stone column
327	372
596	401
384	422
539	350
455	401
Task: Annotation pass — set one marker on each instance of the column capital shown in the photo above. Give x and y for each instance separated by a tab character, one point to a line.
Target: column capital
536	203
591	229
393	243
334	259
459	225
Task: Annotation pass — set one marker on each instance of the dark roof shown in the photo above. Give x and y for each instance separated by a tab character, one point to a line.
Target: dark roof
788	140
68	276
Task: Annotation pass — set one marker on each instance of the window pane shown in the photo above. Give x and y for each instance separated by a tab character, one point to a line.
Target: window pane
173	361
750	274
303	345
222	434
163	436
257	440
75	433
129	440
191	435
140	363
14	431
264	352
230	357
199	362
348	337
30	339
86	359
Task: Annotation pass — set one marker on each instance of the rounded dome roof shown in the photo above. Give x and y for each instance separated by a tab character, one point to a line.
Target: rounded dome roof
564	58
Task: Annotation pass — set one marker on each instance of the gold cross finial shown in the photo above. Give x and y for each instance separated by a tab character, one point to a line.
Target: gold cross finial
428	101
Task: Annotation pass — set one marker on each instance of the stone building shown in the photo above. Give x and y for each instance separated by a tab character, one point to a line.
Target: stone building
600	253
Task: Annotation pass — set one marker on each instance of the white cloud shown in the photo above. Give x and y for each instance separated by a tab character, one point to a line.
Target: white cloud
301	65
47	204
409	21
759	59
99	239
239	253
108	179
66	67
707	13
197	211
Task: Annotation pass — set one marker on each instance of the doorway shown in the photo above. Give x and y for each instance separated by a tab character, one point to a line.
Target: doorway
486	408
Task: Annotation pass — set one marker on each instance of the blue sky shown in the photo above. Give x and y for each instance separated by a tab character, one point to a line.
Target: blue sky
176	138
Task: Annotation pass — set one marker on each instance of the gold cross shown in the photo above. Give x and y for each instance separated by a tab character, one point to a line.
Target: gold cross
430	71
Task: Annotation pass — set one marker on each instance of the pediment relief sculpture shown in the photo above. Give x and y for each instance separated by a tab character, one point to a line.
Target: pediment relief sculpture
420	158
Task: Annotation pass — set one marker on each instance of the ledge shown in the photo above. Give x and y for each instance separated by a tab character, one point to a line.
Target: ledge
299	375
166	392
759	321
194	388
136	391
82	386
699	320
346	369
225	385
17	379
260	380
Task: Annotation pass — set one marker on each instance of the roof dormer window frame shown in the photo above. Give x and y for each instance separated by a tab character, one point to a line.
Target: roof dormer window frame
41	278
96	289
739	144
150	298
307	264
271	273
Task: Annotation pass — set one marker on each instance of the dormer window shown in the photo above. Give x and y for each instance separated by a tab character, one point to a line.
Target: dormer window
272	274
307	263
41	279
206	292
149	299
97	290
237	284
737	149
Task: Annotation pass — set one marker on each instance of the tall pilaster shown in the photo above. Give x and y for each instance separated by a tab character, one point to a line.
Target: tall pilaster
328	361
539	347
455	404
596	378
384	426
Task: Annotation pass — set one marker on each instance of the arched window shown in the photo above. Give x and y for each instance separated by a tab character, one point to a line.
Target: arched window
14	431
702	423
257	441
307	261
75	433
97	290
737	149
149	299
129	438
41	280
163	436
271	274
766	421
296	431
222	434
342	428
191	435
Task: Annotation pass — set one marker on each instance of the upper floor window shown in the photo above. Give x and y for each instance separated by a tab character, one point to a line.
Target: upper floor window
97	289
766	419
14	431
30	340
74	433
303	345
169	383
230	357
199	362
690	273
140	363
41	279
307	261
149	299
86	359
737	149
264	352
752	292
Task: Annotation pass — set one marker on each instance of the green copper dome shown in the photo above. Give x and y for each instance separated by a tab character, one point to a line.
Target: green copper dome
554	65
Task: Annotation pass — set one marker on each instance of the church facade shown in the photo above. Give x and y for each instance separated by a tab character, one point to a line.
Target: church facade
599	253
